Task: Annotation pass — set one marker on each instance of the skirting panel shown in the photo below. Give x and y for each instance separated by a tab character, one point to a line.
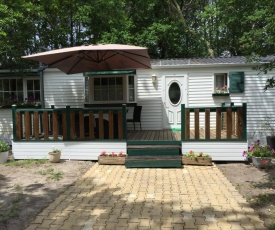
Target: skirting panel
70	150
219	151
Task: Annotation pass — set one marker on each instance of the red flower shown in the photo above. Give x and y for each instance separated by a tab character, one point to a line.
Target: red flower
103	153
264	162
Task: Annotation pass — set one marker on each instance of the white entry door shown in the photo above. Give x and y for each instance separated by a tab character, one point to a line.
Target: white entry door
174	96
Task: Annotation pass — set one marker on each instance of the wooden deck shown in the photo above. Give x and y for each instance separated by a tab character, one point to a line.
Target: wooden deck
153	135
168	135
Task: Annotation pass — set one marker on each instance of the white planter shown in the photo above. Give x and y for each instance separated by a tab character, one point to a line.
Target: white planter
54	157
4	156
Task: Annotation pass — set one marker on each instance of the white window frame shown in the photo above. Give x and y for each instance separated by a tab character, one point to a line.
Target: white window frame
225	81
125	81
24	80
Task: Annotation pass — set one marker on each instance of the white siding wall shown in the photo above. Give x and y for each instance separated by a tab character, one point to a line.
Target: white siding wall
149	97
70	150
6	125
219	151
61	89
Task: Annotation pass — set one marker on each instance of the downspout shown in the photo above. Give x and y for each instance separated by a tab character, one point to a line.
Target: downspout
41	74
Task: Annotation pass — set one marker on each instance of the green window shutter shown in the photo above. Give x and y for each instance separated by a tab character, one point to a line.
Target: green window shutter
236	81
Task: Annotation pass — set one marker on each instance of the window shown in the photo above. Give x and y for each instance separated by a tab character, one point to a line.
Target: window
19	89
220	81
131	88
33	90
11	89
108	89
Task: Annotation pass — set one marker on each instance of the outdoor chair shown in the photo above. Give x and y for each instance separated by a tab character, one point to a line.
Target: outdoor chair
136	116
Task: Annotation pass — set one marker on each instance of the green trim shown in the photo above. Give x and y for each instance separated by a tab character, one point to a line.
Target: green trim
183	121
86	140
213	109
215	140
68	120
124	114
109	105
19	74
110	72
244	121
220	94
153	142
14	122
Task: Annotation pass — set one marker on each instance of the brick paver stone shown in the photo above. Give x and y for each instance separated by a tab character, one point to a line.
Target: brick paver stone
113	197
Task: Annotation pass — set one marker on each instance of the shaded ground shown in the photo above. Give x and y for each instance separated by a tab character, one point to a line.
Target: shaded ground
26	190
256	185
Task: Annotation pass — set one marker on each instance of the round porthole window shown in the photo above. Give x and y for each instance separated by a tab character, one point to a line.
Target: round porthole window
174	93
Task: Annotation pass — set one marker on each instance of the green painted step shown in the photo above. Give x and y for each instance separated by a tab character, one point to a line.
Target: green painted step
154	152
153	156
153	162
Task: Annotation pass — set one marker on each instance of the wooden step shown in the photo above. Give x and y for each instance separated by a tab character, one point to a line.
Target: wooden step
153	147
153	152
153	162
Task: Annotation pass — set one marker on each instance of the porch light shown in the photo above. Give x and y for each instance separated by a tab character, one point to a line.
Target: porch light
154	78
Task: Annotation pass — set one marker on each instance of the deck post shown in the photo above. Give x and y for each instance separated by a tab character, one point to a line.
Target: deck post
14	122
124	112
244	121
68	126
182	122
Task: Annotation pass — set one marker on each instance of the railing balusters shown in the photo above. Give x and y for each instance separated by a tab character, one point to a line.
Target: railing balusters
27	121
111	125
228	123
62	123
81	125
207	124
46	125
197	124
55	126
36	125
218	123
91	125
187	124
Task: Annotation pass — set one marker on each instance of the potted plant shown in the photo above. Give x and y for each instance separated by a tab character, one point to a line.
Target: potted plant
261	154
193	158
54	155
112	159
223	91
269	129
4	151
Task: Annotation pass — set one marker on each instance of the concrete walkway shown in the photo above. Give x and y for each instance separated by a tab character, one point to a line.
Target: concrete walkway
113	197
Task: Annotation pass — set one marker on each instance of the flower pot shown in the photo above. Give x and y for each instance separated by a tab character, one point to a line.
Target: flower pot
54	157
270	140
4	156
107	160
260	162
196	160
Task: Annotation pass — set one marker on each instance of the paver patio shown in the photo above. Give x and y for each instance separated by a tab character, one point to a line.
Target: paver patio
113	197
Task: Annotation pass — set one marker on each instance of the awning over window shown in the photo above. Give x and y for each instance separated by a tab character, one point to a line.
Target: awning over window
110	72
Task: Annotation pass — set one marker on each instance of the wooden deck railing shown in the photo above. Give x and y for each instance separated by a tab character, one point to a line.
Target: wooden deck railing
214	123
69	124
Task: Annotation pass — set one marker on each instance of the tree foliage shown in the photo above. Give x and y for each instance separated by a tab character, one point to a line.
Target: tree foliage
168	28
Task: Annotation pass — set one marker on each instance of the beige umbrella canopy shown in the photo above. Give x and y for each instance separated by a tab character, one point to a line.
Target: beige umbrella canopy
99	57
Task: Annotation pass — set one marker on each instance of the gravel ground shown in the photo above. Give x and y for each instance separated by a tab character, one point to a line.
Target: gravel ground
27	189
256	185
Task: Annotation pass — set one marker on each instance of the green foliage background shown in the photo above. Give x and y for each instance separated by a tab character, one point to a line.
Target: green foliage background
168	28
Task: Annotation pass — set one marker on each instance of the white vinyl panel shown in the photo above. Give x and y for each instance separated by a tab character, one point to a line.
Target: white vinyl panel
70	150
6	126
219	151
61	89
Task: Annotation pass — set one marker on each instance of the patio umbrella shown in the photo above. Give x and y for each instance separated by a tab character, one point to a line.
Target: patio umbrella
99	57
